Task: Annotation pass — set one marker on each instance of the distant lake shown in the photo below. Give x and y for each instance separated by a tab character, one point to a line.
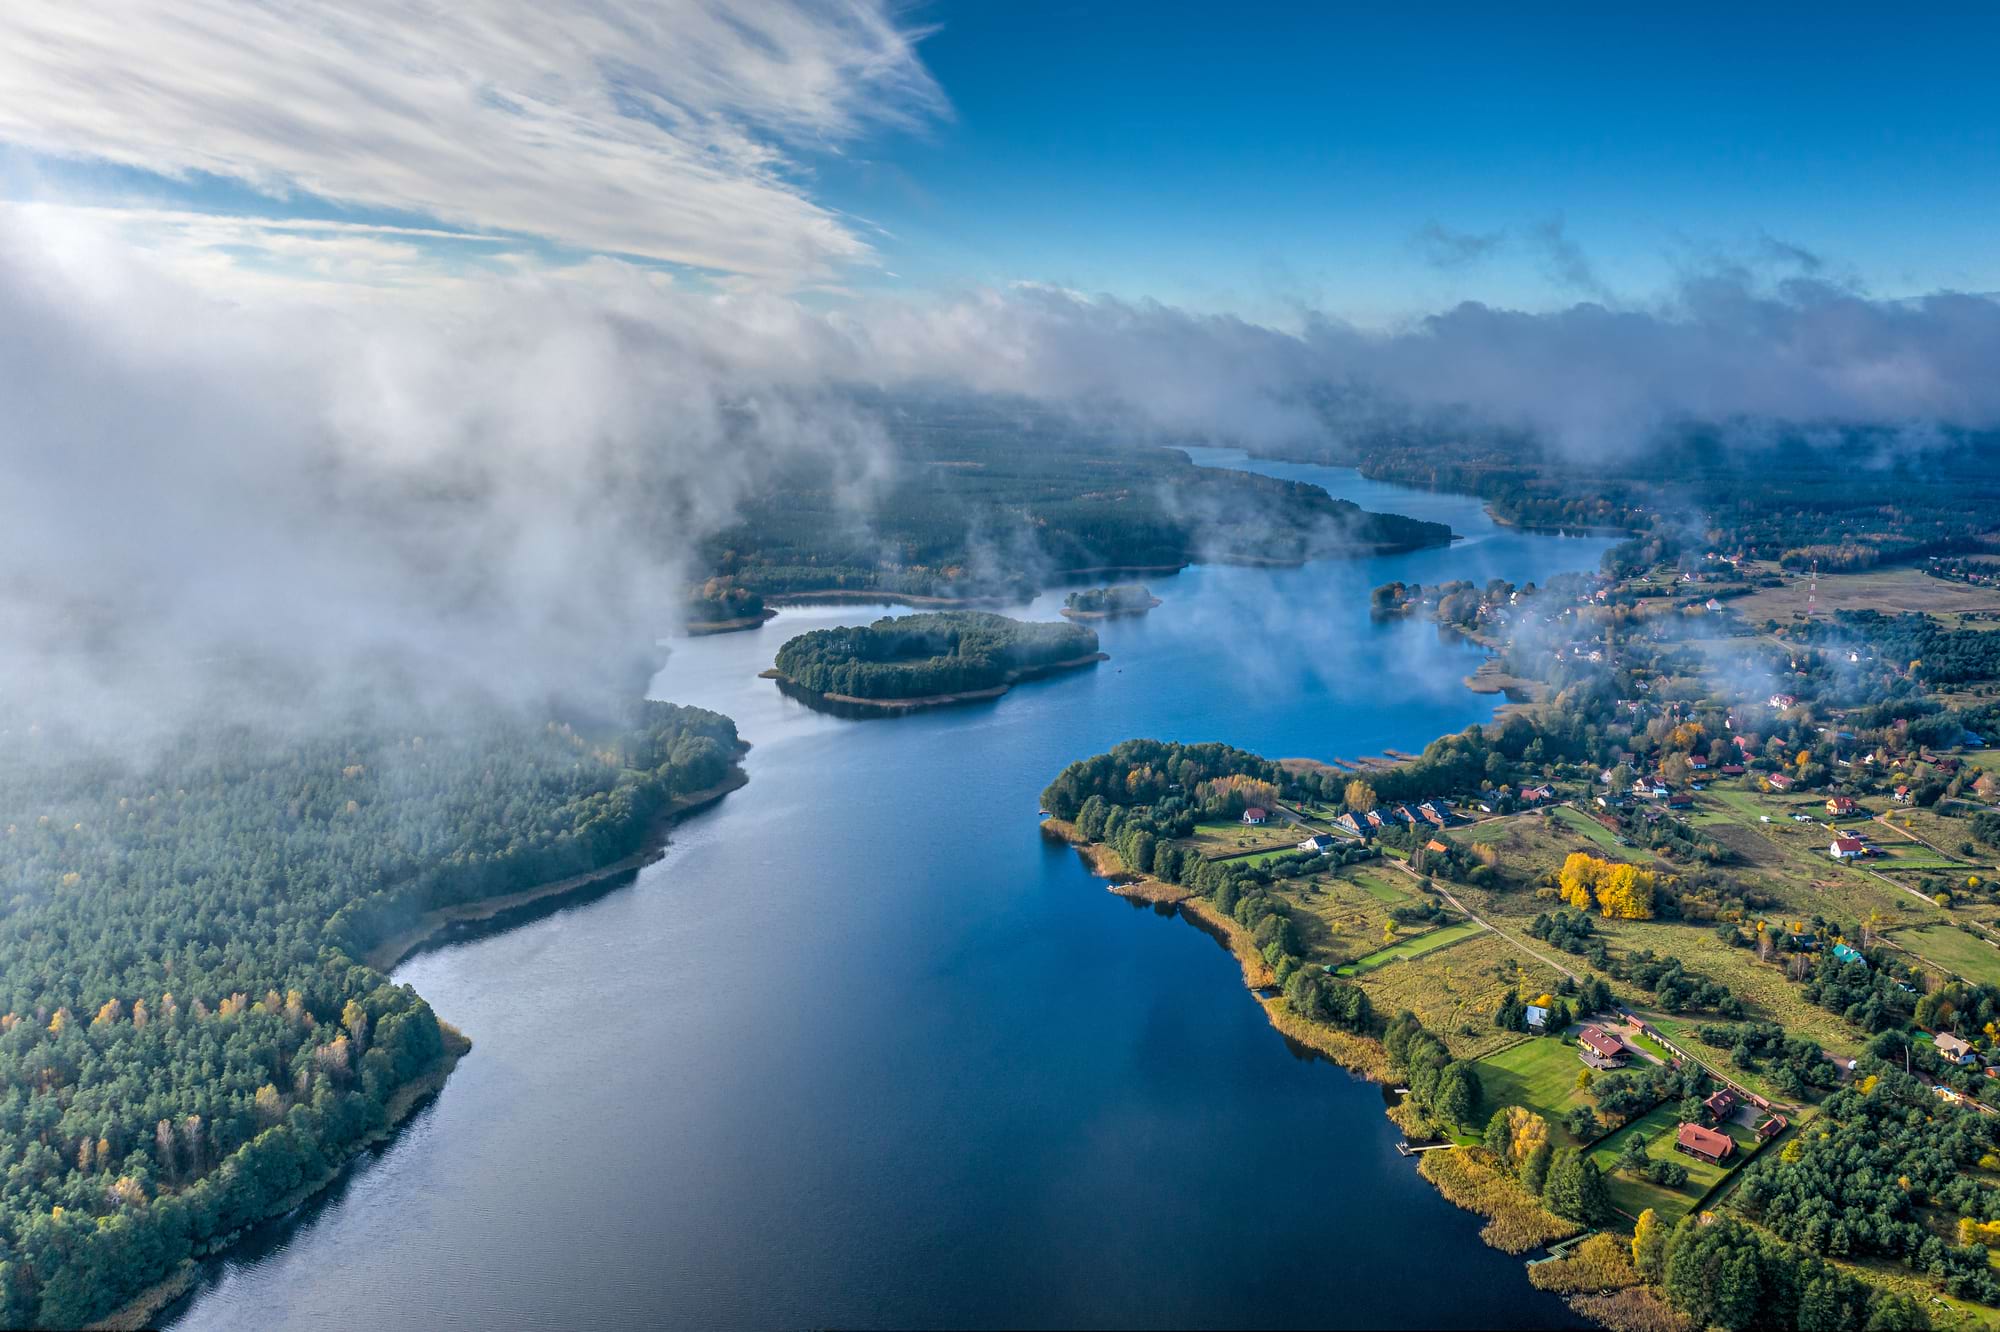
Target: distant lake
864	1049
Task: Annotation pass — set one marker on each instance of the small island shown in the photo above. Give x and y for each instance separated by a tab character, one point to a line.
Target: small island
902	663
720	606
1107	603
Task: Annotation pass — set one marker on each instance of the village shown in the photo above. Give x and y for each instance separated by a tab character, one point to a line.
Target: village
1814	876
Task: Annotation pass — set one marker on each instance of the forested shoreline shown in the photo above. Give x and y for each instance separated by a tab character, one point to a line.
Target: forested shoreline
189	1039
1001	498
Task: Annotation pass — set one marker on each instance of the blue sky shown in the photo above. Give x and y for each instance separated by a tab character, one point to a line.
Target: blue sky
1252	160
1246	156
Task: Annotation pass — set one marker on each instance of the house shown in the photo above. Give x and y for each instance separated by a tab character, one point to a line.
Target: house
1254	815
1696	763
1538	1017
1779	702
1357	824
1779	782
1902	795
1952	1048
1712	605
1840	806
1315	844
1733	770
1377	819
1704	1144
1843	955
1846	848
1682	800
1535	795
1406	814
1437	847
1435	811
1771	1128
1721	1105
1601	1043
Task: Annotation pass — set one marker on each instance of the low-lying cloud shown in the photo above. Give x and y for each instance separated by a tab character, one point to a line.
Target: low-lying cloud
500	483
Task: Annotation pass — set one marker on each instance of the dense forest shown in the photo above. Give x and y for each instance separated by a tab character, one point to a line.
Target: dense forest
916	656
189	1038
1849	499
997	498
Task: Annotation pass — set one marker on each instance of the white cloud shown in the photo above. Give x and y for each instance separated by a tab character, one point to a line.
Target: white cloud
665	129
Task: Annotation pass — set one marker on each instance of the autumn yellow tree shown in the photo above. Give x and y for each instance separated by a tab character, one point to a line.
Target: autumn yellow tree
355	1018
1360	796
1578	879
1530	1131
1625	892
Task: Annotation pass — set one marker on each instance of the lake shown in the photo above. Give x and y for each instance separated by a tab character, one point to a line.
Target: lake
865	1049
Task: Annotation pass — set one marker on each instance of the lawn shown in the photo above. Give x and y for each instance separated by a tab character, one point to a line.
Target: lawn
1632	1196
1953	949
1442	937
1539	1073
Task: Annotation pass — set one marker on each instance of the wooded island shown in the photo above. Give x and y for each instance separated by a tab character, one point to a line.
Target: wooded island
903	662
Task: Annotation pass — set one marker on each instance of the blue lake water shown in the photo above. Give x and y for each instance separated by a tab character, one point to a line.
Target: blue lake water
865	1049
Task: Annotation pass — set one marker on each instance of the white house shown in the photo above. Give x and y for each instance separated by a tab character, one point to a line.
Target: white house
1846	848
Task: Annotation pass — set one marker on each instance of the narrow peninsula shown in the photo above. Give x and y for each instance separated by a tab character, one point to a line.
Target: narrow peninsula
900	664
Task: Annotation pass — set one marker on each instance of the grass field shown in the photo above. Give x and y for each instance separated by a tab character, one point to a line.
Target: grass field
1457	990
1442	937
1218	840
1340	917
1582	824
1632	1196
1952	948
1539	1073
1385	886
1889	590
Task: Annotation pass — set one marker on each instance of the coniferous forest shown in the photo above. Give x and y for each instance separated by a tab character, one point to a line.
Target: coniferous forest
190	1038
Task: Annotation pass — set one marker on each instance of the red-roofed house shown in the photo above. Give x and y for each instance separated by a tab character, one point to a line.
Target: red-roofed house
1846	848
1600	1048
1721	1105
1840	806
1706	1144
1254	815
